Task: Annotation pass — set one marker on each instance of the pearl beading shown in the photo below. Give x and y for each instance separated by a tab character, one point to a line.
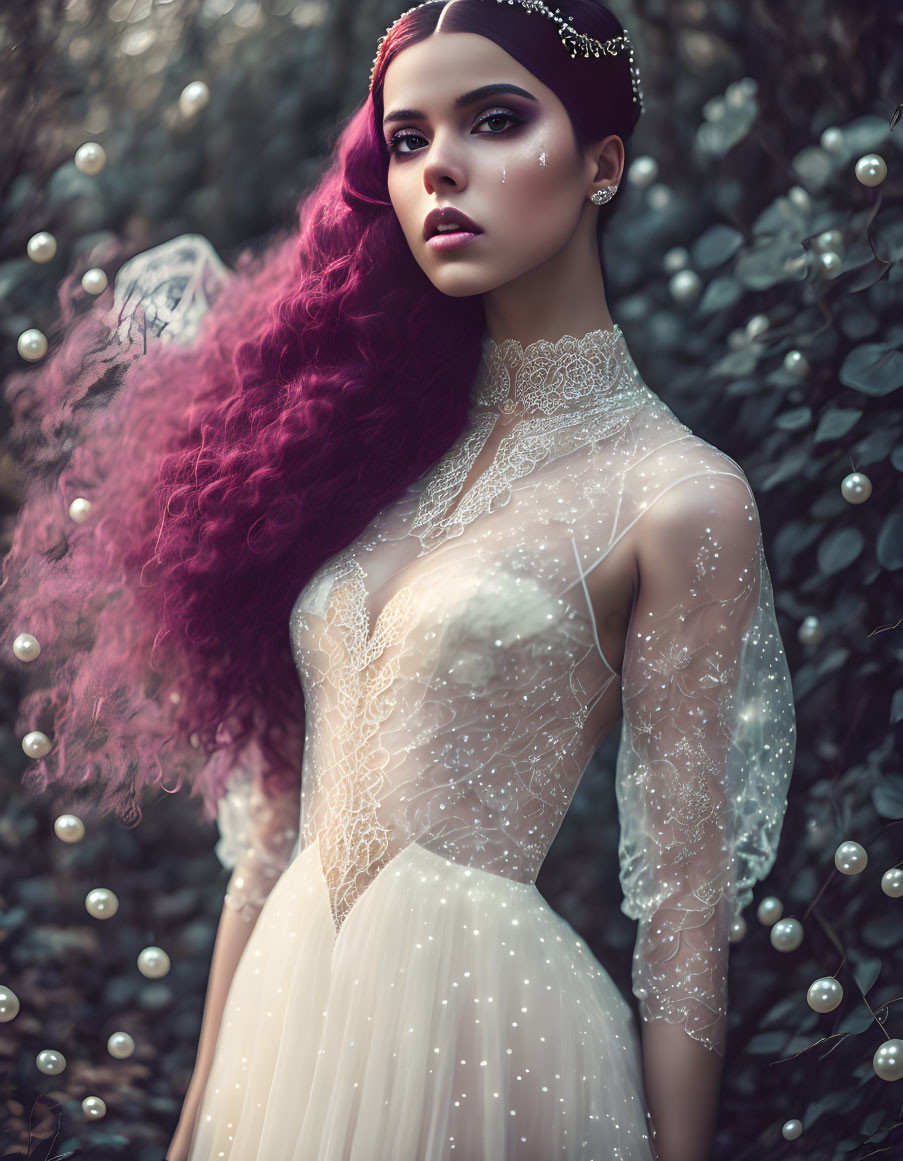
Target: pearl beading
577	43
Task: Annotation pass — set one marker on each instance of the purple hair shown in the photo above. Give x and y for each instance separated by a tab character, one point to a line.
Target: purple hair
222	472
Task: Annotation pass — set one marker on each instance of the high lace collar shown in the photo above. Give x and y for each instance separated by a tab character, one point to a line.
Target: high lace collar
594	372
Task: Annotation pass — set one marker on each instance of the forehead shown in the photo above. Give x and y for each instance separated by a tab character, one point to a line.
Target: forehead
435	70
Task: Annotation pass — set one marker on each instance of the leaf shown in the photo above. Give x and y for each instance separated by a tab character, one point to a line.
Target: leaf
839	549
835	423
896	708
721	293
767	1043
873	369
889	546
715	246
882	932
794	419
866	972
857	1020
887	796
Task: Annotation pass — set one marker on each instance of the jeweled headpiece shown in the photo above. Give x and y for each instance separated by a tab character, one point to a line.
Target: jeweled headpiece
577	43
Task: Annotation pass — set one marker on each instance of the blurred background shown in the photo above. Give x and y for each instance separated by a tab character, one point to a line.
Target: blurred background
756	268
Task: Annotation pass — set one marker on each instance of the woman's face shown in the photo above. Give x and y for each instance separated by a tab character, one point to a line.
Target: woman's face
506	159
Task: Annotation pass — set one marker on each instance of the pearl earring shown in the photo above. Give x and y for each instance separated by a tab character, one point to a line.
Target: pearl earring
601	196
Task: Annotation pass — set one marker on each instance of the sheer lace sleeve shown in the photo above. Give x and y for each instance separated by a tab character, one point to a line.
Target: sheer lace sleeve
707	746
258	836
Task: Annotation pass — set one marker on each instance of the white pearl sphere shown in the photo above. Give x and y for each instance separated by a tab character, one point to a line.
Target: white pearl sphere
799	197
120	1045
69	828
676	259
892	883
871	169
659	196
643	171
792	1129
888	1060
175	697
856	488
824	994
153	962
796	364
26	647
811	631
770	910
50	1062
9	1005
829	240
832	140
36	744
685	286
194	97
787	934
95	280
757	325
79	509
41	247
737	930
851	858
32	345
101	903
94	1108
830	264
90	158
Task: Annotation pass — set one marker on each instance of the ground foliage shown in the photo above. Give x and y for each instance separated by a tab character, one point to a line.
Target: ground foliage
744	188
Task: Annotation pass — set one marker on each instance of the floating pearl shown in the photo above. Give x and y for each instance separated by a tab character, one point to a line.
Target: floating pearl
643	171
737	930
153	962
120	1045
888	1060
194	97
892	883
676	259
79	509
101	903
832	140
757	325
32	345
94	1108
770	910
95	280
787	934
811	631
856	488
830	263
659	196
175	697
796	364
685	286
799	197
36	744
50	1062
69	828
850	858
41	247
26	647
90	158
871	169
829	240
792	1129
824	994
9	1005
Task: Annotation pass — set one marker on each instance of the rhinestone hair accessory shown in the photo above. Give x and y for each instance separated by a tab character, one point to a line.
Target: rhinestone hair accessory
577	43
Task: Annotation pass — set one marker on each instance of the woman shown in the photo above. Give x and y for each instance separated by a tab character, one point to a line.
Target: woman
434	459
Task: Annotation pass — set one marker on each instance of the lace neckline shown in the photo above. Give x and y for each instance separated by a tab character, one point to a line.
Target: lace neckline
595	371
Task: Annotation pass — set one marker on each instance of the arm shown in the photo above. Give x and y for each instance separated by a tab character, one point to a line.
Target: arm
701	792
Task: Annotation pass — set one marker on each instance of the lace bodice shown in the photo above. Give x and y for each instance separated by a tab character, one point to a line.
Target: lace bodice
456	682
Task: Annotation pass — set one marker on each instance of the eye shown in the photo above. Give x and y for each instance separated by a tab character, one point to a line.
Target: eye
496	115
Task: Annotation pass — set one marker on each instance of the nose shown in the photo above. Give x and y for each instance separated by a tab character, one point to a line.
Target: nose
444	166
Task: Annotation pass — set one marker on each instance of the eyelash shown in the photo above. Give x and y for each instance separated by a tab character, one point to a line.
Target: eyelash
402	135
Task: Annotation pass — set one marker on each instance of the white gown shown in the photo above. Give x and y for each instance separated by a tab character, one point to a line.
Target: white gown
406	993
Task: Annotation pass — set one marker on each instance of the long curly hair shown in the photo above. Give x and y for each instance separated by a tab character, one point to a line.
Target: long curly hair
327	374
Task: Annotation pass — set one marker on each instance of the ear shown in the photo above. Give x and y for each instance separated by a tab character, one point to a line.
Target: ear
604	163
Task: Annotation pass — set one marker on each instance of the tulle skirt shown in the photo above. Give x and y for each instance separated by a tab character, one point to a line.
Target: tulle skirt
456	1015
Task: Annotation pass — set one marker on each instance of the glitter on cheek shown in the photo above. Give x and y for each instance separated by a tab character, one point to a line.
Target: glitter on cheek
504	174
543	160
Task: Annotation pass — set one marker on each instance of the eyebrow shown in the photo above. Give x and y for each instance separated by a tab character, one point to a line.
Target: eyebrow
460	102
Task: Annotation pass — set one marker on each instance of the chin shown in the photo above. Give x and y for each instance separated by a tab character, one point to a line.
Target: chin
463	283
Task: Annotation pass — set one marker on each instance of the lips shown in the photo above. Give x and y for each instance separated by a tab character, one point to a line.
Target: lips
447	216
